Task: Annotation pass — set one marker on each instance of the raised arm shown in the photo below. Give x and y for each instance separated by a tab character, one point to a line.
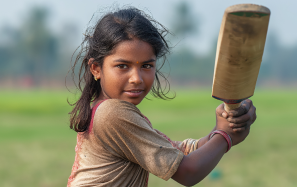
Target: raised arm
199	163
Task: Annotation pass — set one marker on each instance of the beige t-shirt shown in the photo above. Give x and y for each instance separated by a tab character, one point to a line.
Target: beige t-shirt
121	148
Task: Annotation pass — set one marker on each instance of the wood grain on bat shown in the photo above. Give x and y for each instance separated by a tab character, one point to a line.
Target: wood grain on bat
239	52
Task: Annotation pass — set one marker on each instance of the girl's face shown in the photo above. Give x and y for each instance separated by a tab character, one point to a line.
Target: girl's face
128	73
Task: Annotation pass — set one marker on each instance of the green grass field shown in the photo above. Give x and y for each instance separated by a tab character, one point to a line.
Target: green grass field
37	146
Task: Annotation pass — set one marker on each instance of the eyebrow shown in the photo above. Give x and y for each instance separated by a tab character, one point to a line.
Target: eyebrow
130	62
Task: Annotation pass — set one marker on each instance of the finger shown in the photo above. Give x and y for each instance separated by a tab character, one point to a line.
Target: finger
241	119
225	115
242	129
252	113
254	118
234	126
243	109
220	111
237	130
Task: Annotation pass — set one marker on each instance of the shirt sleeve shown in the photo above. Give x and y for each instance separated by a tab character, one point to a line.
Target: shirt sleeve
187	146
124	132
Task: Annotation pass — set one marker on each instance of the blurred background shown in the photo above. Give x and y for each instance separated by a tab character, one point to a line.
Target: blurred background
38	38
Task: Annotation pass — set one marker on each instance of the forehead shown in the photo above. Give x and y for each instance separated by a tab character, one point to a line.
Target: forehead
133	50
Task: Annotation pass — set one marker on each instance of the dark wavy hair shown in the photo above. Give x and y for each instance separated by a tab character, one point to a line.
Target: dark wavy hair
100	41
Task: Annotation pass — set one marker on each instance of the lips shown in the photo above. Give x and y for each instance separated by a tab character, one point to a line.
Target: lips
134	92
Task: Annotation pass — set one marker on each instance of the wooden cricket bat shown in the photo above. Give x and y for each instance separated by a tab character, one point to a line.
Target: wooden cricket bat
239	53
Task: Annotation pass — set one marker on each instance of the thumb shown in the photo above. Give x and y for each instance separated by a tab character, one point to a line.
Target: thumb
225	115
221	111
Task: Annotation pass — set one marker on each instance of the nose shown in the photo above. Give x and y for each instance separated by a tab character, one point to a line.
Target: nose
135	76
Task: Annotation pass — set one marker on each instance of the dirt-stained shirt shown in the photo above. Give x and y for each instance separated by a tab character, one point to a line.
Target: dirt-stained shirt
121	148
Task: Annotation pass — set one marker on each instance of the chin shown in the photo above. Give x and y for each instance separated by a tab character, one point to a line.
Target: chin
135	101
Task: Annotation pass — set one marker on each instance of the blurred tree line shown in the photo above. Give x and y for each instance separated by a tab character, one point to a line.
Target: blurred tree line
34	52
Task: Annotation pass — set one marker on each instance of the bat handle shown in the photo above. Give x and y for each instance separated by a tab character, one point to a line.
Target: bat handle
229	107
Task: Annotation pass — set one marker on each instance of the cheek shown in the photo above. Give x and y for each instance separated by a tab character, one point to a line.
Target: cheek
151	78
114	79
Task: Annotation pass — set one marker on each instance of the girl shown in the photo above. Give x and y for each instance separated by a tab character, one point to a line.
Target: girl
116	143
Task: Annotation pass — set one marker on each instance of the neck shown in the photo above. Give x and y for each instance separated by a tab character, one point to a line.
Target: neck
101	97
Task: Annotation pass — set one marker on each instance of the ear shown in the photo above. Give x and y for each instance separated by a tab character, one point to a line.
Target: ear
94	68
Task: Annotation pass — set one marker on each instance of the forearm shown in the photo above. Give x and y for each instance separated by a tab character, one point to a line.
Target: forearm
198	164
204	140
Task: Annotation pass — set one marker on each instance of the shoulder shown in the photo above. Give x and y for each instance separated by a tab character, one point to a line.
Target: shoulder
115	113
116	107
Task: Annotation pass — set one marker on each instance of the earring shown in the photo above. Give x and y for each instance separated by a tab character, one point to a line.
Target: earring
95	78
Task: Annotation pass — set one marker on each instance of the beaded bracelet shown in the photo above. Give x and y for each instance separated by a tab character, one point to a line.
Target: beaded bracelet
225	135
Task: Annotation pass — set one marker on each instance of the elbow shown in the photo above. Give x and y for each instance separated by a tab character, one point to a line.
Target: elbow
190	181
187	173
191	177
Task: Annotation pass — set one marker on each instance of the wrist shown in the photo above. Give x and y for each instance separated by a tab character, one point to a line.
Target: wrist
224	135
221	139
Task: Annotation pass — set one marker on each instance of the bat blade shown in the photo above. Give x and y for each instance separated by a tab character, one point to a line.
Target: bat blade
239	52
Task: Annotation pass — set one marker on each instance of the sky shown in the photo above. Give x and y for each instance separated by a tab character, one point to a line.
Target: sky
209	14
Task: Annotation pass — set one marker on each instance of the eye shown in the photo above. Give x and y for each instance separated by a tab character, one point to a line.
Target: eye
122	66
147	66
